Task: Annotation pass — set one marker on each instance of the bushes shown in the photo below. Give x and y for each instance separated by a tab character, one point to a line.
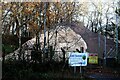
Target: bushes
11	42
10	39
13	39
22	70
9	48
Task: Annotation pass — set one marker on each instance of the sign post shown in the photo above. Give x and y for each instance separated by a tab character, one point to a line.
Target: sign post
74	69
80	71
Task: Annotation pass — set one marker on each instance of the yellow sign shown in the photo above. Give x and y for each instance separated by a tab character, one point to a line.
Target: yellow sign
93	59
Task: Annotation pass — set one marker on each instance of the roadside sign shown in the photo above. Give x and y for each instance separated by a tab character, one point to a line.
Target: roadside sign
78	59
93	58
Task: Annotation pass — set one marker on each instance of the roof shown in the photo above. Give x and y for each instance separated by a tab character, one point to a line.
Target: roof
92	39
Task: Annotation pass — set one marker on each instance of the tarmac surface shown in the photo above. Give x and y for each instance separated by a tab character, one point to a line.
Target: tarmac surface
103	73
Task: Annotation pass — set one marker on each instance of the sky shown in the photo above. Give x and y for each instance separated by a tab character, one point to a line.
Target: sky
104	5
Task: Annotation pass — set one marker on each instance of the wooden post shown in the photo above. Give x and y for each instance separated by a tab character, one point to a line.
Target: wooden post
63	54
81	70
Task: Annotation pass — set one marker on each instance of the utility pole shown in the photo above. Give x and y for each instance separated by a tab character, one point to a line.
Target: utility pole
118	24
104	50
105	35
116	30
45	7
44	47
99	39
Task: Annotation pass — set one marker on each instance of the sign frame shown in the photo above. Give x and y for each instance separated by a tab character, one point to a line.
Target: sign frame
93	58
77	59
